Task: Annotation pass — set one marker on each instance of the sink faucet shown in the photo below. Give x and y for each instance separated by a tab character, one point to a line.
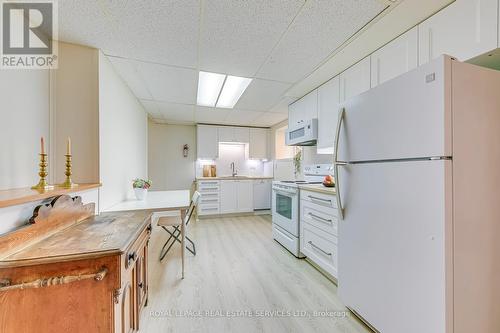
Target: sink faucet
233	169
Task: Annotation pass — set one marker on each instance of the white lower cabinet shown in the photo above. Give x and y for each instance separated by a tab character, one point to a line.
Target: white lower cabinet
236	196
209	203
244	189
228	196
318	230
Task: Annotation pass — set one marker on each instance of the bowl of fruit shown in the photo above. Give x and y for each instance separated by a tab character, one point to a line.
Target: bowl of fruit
328	181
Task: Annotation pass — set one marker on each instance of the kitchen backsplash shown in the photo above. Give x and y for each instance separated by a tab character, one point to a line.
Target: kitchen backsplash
234	153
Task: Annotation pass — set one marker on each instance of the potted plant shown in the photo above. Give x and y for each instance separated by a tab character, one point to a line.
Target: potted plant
141	188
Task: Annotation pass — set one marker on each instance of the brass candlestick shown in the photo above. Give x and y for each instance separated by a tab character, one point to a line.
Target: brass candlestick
42	184
68	183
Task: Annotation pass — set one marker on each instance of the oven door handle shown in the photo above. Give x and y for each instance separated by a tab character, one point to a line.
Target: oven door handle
284	191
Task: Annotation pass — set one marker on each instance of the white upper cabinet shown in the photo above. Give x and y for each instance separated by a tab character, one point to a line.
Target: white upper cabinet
233	134
355	80
207	142
395	58
328	110
304	109
258	143
464	29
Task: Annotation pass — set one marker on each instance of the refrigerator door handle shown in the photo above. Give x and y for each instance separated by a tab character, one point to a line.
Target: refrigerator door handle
337	163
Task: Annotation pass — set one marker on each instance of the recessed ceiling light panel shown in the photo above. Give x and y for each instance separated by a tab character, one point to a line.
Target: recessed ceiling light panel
209	86
219	90
233	88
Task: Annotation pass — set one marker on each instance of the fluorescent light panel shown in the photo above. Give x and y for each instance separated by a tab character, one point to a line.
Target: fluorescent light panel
209	85
233	88
219	90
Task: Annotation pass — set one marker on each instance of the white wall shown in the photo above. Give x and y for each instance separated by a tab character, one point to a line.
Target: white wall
75	110
168	169
123	136
24	118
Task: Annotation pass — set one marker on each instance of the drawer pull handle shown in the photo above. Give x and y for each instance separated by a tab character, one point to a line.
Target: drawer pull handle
319	199
319	249
319	218
131	257
214	208
210	200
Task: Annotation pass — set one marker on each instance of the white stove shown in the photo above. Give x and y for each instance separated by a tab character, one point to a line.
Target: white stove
285	206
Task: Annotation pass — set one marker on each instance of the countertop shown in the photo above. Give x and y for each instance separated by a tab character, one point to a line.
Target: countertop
107	233
233	178
318	188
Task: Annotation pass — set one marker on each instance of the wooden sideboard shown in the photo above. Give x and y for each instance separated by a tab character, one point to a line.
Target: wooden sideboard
68	270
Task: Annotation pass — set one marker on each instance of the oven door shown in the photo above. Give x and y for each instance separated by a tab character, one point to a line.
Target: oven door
285	210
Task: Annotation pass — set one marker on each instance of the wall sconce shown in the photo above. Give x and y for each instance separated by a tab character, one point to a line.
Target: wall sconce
185	150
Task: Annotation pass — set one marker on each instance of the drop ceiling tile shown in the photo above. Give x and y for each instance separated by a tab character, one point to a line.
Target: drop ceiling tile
174	112
261	95
269	119
127	70
209	115
241	117
170	84
237	36
151	108
87	23
152	30
320	28
282	105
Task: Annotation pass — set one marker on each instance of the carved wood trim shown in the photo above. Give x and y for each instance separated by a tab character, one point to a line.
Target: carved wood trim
62	212
55	280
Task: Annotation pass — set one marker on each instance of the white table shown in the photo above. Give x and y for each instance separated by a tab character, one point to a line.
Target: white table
155	201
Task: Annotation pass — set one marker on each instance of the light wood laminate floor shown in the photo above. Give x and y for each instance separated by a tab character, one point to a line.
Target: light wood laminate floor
241	280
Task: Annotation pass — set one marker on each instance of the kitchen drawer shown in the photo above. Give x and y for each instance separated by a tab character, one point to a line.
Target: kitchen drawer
325	200
321	250
208	209
208	186
321	217
209	200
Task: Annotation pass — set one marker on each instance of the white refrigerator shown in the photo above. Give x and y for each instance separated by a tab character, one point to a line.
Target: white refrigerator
417	163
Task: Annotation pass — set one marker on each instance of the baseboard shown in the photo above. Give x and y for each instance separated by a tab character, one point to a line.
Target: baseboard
254	213
322	271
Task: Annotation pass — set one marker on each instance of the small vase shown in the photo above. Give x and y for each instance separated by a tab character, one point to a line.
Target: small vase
141	193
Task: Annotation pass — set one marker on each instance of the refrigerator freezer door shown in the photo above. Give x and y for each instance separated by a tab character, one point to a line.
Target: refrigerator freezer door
407	117
392	244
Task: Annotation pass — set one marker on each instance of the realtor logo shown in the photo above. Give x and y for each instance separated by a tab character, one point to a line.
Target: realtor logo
29	30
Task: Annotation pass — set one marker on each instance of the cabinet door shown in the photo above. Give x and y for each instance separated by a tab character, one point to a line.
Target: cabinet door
228	196
207	142
226	134
142	277
355	80
127	305
304	109
241	134
395	58
464	29
245	195
258	143
328	110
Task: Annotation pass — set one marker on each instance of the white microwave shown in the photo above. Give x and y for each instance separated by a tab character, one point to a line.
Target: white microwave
303	134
